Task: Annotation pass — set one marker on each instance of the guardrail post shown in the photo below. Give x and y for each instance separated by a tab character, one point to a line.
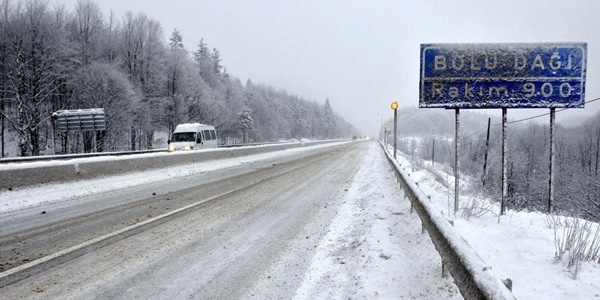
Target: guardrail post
508	283
444	271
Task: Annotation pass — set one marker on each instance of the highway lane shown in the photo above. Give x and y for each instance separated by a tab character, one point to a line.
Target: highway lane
39	231
222	242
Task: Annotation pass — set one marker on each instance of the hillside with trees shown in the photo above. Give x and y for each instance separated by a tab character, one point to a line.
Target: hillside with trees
56	59
577	157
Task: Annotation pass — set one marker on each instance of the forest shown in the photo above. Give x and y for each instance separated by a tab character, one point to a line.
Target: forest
426	134
55	59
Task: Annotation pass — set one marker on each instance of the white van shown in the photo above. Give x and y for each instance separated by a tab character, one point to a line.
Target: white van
192	136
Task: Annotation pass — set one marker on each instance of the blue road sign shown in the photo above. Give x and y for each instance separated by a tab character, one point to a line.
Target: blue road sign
503	75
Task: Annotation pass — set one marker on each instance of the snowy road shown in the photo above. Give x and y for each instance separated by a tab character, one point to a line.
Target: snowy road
330	226
40	230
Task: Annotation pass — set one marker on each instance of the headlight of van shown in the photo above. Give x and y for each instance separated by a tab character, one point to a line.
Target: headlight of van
171	148
188	148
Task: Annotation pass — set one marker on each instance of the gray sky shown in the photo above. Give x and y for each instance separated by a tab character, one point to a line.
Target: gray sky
363	55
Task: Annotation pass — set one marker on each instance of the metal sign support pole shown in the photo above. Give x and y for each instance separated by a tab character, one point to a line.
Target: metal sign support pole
53	139
53	121
456	160
94	148
487	148
504	163
551	166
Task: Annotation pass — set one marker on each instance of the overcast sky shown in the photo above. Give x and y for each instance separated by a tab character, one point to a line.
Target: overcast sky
363	55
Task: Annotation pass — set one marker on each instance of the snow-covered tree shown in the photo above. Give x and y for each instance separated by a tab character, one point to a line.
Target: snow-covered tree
53	59
102	85
34	67
86	29
176	40
329	125
299	118
142	51
246	123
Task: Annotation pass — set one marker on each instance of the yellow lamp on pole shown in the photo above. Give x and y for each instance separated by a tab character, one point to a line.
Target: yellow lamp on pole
395	108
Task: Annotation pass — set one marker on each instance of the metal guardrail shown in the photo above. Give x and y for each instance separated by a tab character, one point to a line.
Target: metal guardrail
72	168
474	278
72	156
96	154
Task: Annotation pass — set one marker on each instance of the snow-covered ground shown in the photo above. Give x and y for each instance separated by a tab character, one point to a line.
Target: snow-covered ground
518	245
374	219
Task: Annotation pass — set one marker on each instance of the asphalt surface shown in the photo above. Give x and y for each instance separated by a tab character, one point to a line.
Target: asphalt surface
236	222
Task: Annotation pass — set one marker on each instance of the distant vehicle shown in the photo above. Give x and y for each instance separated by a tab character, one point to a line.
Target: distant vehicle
193	136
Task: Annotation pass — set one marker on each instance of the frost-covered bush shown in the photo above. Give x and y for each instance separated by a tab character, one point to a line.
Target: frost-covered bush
476	206
579	241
